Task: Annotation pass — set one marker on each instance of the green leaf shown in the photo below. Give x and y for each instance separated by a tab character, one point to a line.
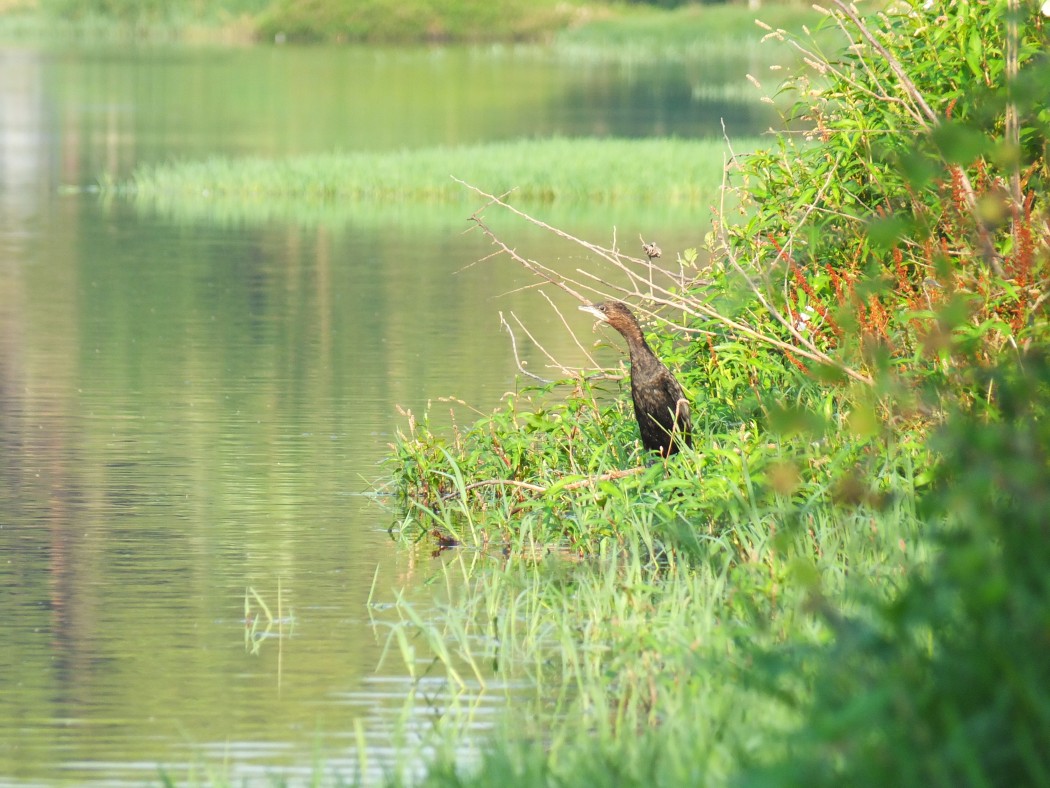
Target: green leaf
959	143
975	54
886	232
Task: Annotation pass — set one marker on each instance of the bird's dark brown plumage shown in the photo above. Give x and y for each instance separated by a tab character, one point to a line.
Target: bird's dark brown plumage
659	403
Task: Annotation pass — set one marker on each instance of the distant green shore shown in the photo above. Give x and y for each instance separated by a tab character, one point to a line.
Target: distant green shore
637	28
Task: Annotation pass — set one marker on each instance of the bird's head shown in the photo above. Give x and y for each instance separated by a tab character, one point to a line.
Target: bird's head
615	313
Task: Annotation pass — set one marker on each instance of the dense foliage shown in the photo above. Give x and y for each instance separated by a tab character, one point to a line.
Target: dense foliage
861	530
905	233
948	683
150	11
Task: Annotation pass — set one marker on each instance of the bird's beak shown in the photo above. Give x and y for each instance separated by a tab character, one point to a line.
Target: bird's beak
594	311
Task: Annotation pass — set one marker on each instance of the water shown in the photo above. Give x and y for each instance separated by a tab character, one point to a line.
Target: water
193	414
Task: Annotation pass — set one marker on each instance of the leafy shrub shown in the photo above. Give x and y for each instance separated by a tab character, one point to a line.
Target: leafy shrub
948	682
125	11
907	236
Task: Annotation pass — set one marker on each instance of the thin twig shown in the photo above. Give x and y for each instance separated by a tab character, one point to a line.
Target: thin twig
898	70
691	307
554	363
536	268
532	220
517	358
568	328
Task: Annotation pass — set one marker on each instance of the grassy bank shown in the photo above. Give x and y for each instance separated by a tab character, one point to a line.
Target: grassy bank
804	639
595	171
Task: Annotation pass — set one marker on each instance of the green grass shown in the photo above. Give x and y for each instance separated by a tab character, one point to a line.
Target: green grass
618	653
560	170
768	610
637	608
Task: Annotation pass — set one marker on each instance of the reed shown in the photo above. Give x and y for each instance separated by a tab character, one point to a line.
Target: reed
560	170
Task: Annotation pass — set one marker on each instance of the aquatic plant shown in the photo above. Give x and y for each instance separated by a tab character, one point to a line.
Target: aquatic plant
560	169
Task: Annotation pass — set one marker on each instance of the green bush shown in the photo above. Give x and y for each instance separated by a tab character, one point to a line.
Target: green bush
908	227
97	17
124	11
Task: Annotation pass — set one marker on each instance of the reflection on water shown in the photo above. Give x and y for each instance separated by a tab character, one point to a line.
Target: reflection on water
120	108
193	413
186	415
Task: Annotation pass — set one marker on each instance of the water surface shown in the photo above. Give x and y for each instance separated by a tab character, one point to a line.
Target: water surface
193	414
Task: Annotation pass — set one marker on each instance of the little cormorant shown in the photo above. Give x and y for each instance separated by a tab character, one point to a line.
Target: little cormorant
659	403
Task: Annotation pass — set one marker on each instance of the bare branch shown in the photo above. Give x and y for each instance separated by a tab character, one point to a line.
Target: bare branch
536	268
688	306
565	371
532	220
894	64
568	328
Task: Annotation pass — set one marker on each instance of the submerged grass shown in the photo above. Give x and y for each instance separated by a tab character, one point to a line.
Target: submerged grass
563	170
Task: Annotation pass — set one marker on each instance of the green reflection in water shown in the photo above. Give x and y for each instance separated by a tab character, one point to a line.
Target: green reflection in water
190	409
122	108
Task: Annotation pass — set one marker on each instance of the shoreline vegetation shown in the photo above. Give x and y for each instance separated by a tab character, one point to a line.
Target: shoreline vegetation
843	581
584	176
628	30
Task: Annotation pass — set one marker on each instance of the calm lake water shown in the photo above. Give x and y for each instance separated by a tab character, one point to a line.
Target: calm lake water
193	413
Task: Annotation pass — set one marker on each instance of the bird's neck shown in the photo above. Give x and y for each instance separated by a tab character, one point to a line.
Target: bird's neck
637	346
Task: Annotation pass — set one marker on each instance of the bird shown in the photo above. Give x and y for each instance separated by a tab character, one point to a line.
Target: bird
652	251
660	405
